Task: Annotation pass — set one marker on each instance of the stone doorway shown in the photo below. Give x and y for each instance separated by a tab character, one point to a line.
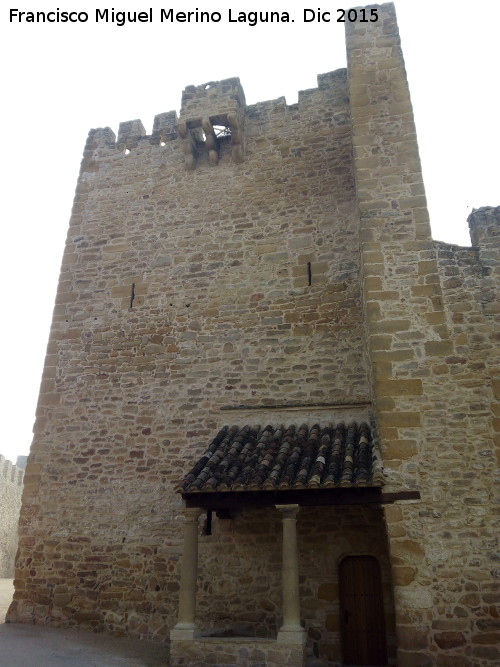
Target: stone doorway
362	618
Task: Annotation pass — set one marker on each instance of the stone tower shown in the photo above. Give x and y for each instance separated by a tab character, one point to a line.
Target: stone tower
253	319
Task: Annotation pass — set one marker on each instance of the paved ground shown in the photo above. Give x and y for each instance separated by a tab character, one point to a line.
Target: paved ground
38	646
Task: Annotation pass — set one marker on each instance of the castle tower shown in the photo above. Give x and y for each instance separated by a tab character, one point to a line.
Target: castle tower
265	382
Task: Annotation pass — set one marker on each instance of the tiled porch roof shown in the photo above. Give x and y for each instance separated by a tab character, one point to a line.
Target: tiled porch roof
249	458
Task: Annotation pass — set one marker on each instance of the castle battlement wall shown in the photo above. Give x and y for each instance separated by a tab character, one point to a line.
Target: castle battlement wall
10	474
11	487
214	100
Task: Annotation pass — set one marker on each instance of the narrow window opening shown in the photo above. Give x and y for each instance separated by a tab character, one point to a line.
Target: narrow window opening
309	273
132	295
163	143
127	151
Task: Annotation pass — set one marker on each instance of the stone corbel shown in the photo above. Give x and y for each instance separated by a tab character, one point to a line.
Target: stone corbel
211	142
237	144
188	144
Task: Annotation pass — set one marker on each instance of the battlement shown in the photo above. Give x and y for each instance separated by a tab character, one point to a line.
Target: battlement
212	114
484	225
10	473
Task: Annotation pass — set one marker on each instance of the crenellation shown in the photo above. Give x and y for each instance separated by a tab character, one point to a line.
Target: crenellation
214	104
129	134
484	225
332	79
164	127
11	473
102	135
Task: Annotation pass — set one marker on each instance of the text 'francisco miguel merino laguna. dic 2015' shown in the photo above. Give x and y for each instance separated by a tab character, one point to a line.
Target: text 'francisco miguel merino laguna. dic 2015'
121	18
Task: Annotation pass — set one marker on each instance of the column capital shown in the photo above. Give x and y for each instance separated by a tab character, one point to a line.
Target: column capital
288	511
191	514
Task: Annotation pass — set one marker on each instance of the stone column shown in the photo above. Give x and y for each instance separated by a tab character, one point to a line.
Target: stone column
186	626
291	632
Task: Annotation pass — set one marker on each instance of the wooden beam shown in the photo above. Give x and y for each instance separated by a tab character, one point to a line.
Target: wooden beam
240	499
230	500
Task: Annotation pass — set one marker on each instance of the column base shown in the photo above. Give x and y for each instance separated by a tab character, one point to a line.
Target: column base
184	632
292	634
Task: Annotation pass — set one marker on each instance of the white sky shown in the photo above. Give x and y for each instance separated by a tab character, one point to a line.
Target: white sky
60	80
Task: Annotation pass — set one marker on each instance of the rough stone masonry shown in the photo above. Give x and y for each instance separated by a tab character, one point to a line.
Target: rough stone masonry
269	264
11	486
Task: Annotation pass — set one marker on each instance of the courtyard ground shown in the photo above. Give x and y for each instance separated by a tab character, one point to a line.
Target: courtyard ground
40	646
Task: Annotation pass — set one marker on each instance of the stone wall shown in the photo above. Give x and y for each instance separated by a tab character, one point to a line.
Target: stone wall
11	487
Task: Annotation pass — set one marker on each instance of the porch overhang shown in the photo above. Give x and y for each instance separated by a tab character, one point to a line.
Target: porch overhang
251	466
284	468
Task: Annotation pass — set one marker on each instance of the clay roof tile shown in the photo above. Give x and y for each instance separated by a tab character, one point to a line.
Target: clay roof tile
249	458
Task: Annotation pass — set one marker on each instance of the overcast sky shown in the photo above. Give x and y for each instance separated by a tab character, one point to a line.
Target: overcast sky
61	79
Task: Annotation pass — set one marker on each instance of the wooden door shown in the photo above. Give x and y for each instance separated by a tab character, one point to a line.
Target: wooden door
362	621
